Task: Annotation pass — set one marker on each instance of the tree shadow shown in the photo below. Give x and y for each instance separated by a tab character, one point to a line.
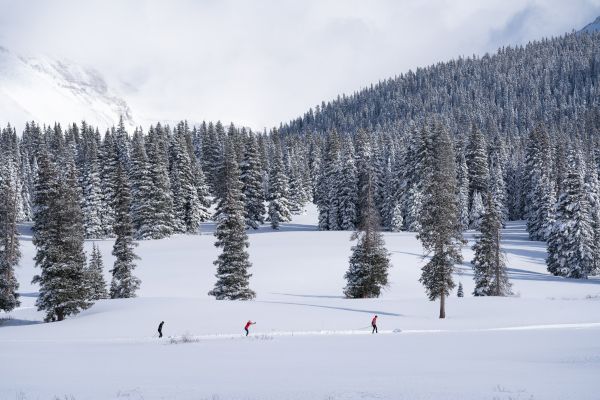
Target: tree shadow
9	321
316	296
332	308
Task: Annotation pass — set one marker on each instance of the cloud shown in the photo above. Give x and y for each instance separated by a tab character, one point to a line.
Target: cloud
265	61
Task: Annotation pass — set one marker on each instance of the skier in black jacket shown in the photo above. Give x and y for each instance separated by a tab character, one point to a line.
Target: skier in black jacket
160	328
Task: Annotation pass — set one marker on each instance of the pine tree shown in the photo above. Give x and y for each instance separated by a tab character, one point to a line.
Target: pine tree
489	265
252	184
161	200
462	181
397	221
369	262
347	189
440	231
10	253
187	209
142	196
570	243
279	209
94	276
477	211
58	236
477	163
460	292
232	264
124	284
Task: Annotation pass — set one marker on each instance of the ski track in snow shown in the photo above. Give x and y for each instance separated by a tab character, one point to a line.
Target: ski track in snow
269	335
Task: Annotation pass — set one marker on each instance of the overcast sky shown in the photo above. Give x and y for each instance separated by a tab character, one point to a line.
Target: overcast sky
258	63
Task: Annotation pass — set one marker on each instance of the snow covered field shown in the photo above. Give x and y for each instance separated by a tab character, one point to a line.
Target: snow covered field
309	342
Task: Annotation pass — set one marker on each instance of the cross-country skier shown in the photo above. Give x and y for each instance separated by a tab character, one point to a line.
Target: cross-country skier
374	324
247	327
160	328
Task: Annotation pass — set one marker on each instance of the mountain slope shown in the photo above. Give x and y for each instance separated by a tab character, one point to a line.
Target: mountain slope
592	27
47	90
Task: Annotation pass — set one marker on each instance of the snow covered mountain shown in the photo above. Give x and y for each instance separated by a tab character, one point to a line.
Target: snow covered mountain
592	27
48	90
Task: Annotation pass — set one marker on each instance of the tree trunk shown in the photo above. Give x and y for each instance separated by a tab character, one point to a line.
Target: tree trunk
443	305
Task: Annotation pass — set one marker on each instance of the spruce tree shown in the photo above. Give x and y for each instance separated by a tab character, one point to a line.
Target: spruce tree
232	264
477	211
477	163
142	190
161	199
440	227
124	284
58	236
571	241
10	253
369	262
279	208
489	265
94	276
460	292
252	184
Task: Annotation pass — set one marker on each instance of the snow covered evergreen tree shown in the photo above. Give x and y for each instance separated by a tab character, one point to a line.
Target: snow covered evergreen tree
460	292
161	200
142	196
477	211
58	236
233	263
252	184
124	284
347	189
462	184
440	227
540	188
571	241
10	253
369	262
96	286
489	265
477	163
279	210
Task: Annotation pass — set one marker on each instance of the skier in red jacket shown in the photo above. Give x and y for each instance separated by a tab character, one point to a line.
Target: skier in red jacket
247	327
374	324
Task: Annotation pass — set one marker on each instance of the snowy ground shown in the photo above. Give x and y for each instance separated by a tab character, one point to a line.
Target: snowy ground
309	342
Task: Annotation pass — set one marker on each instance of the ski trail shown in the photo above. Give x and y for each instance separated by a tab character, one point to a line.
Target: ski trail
189	338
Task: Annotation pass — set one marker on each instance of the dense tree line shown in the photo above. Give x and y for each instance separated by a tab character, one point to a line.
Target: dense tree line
467	144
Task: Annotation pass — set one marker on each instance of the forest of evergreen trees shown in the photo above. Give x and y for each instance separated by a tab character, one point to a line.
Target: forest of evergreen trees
467	144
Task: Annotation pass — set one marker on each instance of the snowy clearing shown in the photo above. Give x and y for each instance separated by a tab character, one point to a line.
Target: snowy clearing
309	342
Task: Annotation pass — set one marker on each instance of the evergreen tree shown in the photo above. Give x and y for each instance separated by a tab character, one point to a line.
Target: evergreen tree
58	236
440	227
489	265
161	200
279	210
477	211
94	276
142	196
570	243
232	264
124	284
460	292
369	262
347	190
477	163
462	182
397	221
187	209
252	184
10	253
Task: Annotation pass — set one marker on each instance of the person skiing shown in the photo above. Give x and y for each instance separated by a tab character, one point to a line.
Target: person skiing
247	327
160	328
374	324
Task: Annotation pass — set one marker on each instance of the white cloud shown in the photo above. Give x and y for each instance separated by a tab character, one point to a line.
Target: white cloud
262	62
